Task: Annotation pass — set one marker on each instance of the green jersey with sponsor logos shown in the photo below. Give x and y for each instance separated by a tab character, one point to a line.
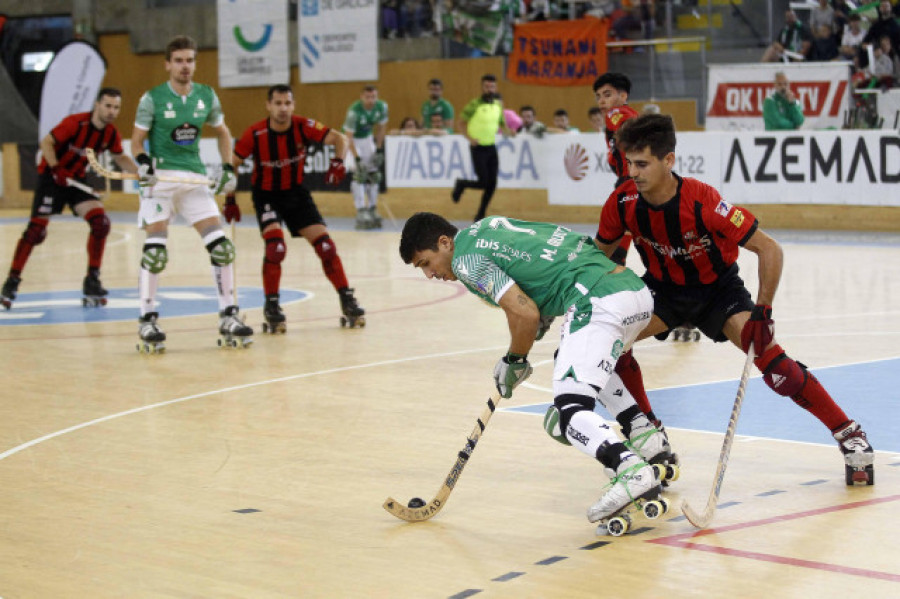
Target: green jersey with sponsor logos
360	121
174	123
555	266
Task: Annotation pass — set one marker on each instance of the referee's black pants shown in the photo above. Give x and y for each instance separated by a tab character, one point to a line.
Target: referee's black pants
486	163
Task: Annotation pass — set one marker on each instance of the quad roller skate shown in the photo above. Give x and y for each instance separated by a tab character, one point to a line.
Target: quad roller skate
859	456
152	338
275	320
364	220
232	330
686	332
93	291
9	291
354	316
374	217
634	488
651	443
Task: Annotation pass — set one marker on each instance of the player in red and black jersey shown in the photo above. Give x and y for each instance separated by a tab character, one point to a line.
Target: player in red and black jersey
278	147
611	92
688	238
61	182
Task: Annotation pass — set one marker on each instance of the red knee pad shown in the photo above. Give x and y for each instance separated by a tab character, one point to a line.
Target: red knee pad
36	231
781	373
99	222
275	248
325	248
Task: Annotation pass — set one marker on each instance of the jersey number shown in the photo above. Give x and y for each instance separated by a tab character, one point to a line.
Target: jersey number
496	222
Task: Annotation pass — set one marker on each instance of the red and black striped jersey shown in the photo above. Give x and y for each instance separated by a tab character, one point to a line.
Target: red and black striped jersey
690	240
279	156
75	133
615	118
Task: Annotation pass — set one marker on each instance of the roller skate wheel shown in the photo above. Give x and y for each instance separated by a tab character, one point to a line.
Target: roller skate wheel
232	343
6	304
696	336
860	476
672	472
344	321
221	342
618	525
655	508
265	327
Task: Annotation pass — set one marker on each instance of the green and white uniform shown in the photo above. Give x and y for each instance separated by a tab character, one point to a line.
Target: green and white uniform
565	274
173	124
359	123
441	107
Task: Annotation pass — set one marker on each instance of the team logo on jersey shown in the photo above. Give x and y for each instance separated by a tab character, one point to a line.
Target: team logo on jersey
615	117
690	235
723	208
200	104
576	162
737	219
185	134
169	112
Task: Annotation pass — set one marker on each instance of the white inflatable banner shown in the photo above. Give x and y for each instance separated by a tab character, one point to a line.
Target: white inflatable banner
253	43
735	93
338	40
70	84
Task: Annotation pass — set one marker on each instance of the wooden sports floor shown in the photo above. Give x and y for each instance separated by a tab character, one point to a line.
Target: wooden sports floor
260	473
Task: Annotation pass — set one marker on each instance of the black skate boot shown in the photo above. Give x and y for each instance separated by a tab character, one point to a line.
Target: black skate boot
93	291
858	455
232	330
354	315
275	320
152	337
9	291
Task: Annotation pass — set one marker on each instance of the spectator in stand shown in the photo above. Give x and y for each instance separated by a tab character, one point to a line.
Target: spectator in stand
390	18
436	104
883	69
782	110
841	17
408	126
821	15
824	46
852	38
794	37
597	118
437	126
885	25
561	123
529	123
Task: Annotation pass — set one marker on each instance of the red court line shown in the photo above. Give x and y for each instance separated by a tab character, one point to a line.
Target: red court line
681	540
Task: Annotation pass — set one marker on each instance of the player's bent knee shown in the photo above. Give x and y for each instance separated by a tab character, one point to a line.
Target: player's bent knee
325	248
99	224
569	404
553	427
154	258
36	232
221	252
784	376
276	250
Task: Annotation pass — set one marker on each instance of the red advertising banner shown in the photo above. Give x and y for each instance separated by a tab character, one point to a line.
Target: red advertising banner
559	53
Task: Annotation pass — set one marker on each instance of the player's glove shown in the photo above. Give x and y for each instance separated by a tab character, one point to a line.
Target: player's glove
231	211
61	176
759	330
511	370
146	176
378	158
336	172
546	321
226	182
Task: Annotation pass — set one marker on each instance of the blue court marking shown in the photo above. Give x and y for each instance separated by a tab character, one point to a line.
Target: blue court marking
868	392
64	307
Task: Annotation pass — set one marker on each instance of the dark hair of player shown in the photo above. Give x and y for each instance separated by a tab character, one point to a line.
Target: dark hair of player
422	231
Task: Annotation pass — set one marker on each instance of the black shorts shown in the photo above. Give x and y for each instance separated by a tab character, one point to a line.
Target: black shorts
50	198
707	307
295	208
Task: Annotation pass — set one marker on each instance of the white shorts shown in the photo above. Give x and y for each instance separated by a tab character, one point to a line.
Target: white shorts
192	201
365	147
597	330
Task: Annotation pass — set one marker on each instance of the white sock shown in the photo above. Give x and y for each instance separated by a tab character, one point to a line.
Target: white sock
224	278
587	431
147	284
359	195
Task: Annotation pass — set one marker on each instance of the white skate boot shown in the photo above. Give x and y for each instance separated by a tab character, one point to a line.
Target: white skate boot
635	487
652	444
152	338
232	330
858	455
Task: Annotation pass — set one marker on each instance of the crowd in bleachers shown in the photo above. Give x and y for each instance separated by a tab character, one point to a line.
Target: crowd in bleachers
839	30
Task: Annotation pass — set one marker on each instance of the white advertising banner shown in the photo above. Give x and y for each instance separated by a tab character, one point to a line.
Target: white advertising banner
777	167
70	84
338	40
736	92
253	43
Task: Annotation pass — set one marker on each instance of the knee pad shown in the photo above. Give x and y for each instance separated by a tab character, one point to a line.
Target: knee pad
276	250
99	223
325	248
154	258
36	231
221	251
781	373
568	404
373	177
553	427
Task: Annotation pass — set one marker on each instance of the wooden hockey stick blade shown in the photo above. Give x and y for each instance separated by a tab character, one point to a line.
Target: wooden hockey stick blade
430	509
85	188
703	520
111	174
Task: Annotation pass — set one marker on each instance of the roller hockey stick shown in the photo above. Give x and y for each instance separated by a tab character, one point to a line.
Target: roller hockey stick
85	188
111	174
703	520
428	510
